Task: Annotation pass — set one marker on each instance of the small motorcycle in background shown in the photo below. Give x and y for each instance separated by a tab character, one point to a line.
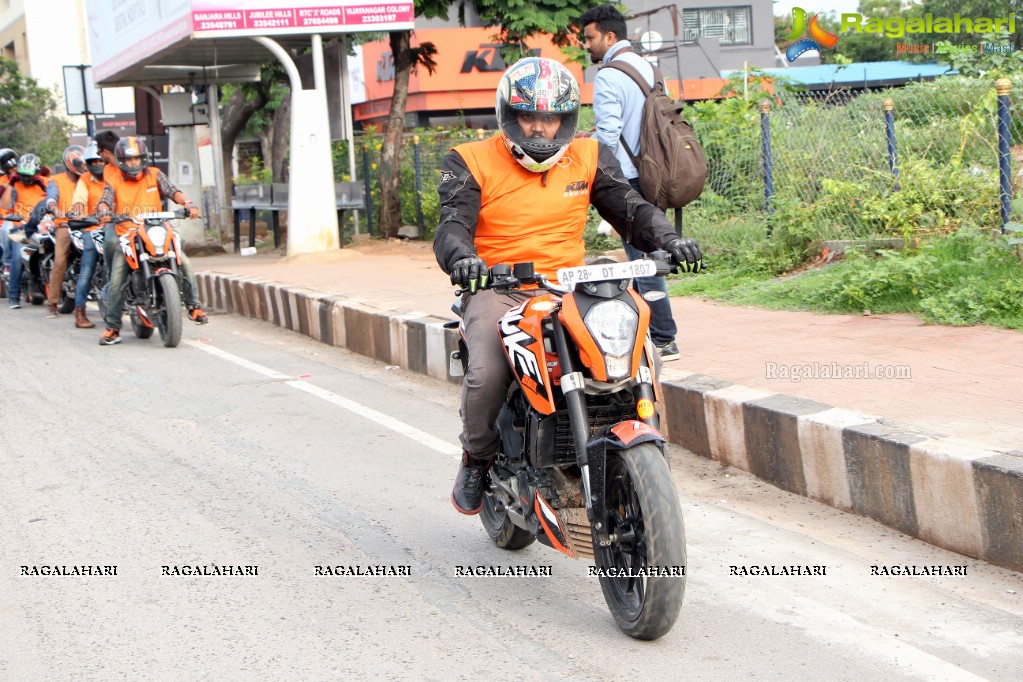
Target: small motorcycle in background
34	250
82	239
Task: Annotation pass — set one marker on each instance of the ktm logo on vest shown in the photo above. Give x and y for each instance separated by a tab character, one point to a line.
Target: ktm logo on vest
487	58
576	188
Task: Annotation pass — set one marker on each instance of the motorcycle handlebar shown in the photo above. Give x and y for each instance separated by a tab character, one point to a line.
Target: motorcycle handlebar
506	278
178	214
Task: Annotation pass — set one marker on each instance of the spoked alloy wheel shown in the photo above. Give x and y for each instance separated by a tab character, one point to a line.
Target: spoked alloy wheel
645	523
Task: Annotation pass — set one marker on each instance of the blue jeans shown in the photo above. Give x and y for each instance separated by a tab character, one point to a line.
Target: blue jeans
120	271
662	324
86	269
12	259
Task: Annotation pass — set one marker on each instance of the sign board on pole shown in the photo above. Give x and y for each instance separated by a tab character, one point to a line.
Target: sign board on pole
123	33
221	18
80	92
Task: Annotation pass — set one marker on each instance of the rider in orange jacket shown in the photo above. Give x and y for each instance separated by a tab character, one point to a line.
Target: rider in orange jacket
138	189
521	196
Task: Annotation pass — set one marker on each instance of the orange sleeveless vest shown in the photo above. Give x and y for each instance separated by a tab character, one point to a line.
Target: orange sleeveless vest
28	197
135	197
65	190
550	232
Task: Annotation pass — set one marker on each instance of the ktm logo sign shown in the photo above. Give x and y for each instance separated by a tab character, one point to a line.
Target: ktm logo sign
487	58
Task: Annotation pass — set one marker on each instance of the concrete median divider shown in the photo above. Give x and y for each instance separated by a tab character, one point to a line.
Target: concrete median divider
952	494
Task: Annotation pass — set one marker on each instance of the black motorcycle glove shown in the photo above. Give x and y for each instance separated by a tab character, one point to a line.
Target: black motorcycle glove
470	273
685	253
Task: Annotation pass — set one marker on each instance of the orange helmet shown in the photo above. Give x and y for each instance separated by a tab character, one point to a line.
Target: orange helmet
74	160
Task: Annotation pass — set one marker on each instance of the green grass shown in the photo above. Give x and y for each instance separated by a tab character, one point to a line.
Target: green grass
962	279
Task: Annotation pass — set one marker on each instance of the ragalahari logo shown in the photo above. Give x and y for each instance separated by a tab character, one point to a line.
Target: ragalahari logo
819	38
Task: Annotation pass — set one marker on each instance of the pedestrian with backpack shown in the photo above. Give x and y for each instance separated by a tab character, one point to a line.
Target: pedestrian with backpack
618	108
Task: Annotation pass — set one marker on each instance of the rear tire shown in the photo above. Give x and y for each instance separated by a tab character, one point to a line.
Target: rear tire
500	528
68	289
169	317
141	330
644	513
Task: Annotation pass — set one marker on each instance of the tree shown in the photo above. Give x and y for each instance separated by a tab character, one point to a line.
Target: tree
975	9
242	103
515	20
29	121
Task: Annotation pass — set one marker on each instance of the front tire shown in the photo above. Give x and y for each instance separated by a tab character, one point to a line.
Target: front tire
645	520
169	316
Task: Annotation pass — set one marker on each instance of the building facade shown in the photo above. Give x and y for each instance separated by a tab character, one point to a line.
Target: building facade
712	36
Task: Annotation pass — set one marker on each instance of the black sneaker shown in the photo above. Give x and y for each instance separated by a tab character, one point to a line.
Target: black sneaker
669	352
471	479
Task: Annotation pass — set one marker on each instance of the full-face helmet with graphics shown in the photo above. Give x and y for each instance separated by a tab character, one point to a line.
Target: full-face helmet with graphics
127	151
537	87
73	159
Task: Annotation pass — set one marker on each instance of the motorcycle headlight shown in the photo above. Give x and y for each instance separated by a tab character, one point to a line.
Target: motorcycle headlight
158	235
613	325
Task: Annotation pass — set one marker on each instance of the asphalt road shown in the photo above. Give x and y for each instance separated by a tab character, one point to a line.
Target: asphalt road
253	448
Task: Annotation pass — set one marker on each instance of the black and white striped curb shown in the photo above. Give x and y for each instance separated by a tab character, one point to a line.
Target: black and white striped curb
956	495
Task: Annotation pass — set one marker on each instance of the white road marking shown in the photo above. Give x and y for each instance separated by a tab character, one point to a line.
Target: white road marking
352	406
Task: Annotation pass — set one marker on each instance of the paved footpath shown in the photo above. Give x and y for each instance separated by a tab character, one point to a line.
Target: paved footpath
919	427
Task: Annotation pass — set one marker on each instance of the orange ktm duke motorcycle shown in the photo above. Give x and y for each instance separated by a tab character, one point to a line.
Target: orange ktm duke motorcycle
582	467
152	290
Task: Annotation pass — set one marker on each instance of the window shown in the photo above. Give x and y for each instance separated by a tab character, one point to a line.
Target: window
730	25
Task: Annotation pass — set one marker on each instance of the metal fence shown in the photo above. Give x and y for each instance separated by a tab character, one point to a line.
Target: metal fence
921	159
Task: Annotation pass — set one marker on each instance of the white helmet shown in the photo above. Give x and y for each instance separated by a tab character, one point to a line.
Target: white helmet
537	85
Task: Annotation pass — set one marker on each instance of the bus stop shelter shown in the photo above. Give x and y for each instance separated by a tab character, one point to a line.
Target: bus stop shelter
152	43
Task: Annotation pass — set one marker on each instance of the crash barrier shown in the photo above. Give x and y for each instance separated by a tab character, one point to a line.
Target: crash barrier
954	495
249	199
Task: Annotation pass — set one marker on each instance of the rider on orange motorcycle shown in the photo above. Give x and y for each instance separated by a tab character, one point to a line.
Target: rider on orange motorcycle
522	196
138	189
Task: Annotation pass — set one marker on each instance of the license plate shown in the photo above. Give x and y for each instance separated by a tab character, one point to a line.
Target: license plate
600	273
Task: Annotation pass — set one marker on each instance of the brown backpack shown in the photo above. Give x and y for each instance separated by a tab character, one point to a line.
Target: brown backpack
671	165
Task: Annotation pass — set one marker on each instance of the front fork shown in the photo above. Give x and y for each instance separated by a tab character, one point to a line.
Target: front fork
591	460
147	279
591	456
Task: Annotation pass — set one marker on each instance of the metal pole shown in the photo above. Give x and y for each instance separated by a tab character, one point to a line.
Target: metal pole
221	192
678	48
1002	87
346	116
89	125
889	125
765	148
419	186
369	187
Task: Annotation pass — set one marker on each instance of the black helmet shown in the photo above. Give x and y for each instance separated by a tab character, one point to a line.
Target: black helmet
129	148
537	86
73	161
8	160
